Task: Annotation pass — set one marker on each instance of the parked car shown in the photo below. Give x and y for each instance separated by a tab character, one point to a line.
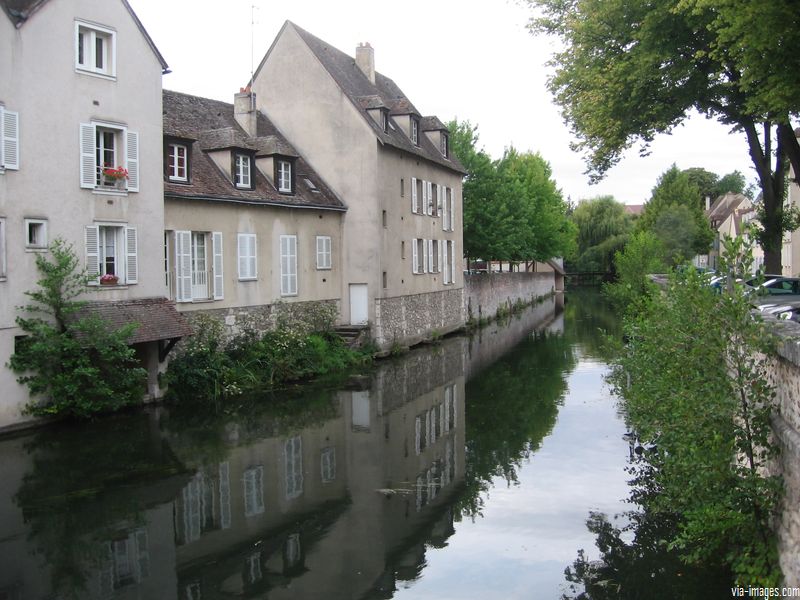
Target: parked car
782	310
777	285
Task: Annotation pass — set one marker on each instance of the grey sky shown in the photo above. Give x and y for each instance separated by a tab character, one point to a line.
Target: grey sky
453	58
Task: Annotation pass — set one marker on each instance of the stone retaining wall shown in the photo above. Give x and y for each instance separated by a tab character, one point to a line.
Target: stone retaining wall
408	320
785	377
485	293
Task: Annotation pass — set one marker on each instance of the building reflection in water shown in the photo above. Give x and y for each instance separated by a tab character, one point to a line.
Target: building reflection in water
339	500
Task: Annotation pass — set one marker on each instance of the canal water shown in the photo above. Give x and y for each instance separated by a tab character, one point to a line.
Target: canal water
465	469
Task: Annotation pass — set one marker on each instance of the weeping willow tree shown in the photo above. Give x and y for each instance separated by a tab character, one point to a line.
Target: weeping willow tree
603	228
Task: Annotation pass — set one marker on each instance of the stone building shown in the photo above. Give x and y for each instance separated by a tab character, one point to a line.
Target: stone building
80	106
402	234
248	222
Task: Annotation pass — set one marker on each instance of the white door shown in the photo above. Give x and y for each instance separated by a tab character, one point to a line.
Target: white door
359	311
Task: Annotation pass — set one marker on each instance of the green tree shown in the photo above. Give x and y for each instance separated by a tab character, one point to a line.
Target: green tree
674	188
706	183
539	228
602	229
481	213
631	69
693	376
731	183
642	256
75	365
678	231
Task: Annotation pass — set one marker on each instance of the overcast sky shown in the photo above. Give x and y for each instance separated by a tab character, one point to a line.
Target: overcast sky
453	58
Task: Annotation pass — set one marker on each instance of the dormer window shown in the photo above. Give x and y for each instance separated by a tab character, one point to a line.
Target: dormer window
445	145
177	166
95	49
241	171
283	176
385	120
415	131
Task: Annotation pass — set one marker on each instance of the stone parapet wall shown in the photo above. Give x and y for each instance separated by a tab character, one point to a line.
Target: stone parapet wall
263	317
408	320
785	376
485	293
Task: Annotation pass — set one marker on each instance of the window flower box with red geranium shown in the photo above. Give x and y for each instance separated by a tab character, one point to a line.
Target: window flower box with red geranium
115	176
109	279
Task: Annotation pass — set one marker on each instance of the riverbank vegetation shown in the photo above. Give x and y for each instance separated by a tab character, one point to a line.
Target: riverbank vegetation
212	366
74	364
693	376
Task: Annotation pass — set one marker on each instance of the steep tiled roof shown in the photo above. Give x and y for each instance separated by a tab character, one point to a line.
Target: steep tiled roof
724	206
349	77
156	318
210	125
431	124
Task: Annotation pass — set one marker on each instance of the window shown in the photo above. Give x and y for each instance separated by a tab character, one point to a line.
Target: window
288	265
284	176
9	139
112	250
293	462
384	218
415	130
177	166
95	49
247	256
385	120
436	200
385	280
403	250
447	193
445	145
419	261
328	464
434	257
253	481
109	157
428	206
241	171
441	194
198	266
36	234
323	252
402	187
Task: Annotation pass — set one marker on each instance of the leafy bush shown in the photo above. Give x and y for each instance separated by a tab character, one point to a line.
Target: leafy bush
694	379
75	365
211	366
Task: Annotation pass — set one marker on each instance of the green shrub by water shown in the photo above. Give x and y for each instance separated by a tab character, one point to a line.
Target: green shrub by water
213	367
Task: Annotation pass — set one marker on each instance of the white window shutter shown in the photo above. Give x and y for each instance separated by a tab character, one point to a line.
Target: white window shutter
253	254
183	266
446	278
452	215
425	256
414	255
131	256
452	261
441	249
443	208
430	256
10	138
216	242
132	157
413	194
241	250
88	166
92	253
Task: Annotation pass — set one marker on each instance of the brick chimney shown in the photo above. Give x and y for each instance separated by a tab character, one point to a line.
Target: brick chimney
365	59
244	111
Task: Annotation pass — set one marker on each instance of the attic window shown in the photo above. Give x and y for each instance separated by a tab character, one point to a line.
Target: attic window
445	145
284	176
385	120
241	171
311	186
415	131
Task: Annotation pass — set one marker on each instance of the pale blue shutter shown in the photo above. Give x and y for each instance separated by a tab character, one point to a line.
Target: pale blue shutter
88	167
216	242
92	254
183	266
9	152
131	257
132	158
